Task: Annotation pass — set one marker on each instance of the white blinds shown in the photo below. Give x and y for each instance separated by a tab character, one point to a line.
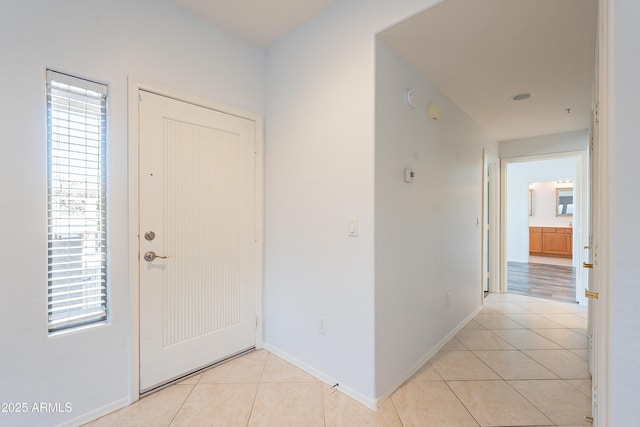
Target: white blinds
76	211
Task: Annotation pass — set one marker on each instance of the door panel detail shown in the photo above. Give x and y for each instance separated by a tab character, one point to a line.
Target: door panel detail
197	193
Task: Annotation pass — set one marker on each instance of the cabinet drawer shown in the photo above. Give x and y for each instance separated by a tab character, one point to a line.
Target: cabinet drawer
564	230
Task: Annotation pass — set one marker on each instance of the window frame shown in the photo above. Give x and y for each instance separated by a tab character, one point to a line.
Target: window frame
77	205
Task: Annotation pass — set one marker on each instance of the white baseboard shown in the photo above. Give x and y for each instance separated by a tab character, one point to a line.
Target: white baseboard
425	358
357	396
327	379
90	416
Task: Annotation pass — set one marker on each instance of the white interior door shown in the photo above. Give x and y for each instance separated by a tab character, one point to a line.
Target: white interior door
486	244
491	224
197	176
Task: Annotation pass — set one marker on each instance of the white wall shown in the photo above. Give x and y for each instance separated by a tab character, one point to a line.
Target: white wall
545	144
106	41
428	238
519	175
320	172
623	368
544	205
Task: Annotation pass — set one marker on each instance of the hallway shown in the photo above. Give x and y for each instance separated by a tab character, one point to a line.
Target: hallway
521	362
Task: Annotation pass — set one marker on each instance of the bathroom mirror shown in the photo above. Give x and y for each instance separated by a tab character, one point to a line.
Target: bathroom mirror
564	201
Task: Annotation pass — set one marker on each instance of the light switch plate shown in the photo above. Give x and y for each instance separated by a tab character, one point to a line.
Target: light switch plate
353	227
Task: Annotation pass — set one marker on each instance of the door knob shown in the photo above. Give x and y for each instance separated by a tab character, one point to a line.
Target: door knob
150	256
587	265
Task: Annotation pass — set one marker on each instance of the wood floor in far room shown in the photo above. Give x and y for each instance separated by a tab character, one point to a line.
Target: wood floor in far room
555	282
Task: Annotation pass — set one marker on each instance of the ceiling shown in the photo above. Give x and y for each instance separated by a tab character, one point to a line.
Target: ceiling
261	22
477	52
482	52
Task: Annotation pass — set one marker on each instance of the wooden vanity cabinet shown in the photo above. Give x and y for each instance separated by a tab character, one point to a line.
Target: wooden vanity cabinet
551	241
535	240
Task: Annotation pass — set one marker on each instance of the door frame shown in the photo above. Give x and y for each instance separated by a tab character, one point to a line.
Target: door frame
491	259
580	186
602	241
134	85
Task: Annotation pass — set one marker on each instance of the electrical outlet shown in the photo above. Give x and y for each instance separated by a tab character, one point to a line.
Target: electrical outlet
322	325
448	298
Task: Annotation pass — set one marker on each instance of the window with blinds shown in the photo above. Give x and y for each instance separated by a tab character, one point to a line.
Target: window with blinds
76	209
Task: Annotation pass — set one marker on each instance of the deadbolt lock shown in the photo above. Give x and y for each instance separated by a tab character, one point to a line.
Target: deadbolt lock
149	235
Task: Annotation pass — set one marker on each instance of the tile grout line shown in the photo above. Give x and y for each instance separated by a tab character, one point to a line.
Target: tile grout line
324	412
462	403
255	396
253	405
393	404
531	403
575	387
193	387
454	393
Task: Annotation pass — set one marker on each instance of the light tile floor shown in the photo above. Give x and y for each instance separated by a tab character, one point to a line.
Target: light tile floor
520	362
550	260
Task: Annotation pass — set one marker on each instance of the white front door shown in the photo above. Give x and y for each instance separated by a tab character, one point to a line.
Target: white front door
197	180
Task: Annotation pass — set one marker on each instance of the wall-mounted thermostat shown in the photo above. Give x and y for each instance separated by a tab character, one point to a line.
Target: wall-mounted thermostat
409	175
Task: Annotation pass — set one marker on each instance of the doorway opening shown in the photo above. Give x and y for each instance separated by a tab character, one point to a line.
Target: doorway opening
546	214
